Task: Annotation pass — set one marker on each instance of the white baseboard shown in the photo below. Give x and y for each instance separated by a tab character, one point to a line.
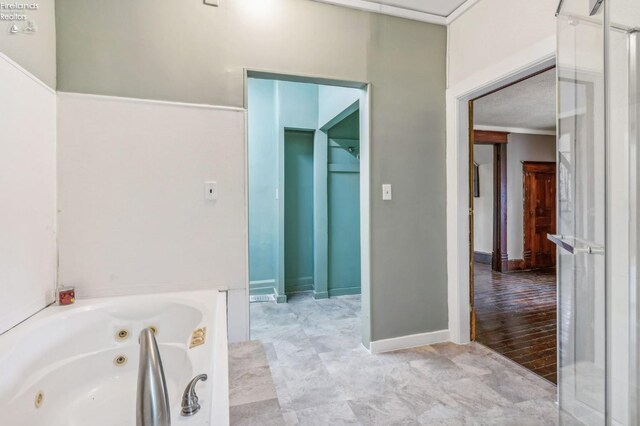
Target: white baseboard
406	342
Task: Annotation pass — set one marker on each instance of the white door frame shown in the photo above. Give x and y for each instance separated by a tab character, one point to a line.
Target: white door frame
527	61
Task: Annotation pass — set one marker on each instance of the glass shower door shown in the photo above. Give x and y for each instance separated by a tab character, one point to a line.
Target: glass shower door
582	219
598	133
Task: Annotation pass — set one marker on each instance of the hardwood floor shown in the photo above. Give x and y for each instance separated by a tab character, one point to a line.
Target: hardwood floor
516	316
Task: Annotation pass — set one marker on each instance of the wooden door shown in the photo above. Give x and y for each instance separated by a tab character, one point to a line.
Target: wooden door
539	191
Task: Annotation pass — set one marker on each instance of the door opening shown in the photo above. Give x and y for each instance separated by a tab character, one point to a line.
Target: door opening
512	274
307	158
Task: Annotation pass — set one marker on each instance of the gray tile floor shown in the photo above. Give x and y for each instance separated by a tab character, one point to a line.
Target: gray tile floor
321	375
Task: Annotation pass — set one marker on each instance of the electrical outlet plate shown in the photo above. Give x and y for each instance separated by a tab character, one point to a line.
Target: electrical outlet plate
211	2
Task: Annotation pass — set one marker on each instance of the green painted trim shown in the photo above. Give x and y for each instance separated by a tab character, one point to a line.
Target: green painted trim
344	114
262	283
335	142
298	285
299	288
320	294
280	298
344	291
344	168
261	291
262	287
320	213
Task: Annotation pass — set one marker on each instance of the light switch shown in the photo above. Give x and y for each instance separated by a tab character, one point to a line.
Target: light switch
211	191
386	192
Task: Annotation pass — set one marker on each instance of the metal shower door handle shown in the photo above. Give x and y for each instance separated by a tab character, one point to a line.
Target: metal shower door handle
568	243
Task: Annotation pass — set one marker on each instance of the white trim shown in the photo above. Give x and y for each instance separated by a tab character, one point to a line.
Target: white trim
461	10
407	342
514	130
402	12
384	9
149	101
26	72
128	290
519	65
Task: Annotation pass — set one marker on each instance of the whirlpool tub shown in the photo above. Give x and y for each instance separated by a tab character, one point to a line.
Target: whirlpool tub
78	365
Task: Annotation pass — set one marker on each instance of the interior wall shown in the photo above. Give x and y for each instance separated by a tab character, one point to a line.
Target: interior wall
476	43
408	233
333	101
132	213
298	211
140	58
483	205
28	192
343	193
35	52
273	106
263	185
521	148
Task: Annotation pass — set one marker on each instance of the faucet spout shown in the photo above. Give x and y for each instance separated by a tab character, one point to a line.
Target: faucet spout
152	402
190	405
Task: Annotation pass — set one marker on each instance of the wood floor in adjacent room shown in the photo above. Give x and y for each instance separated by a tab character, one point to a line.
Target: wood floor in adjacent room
516	316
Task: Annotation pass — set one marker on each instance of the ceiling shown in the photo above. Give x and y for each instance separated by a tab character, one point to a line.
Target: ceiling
442	8
440	12
526	107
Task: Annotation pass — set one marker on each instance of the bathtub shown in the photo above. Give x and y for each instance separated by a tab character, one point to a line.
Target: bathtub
78	365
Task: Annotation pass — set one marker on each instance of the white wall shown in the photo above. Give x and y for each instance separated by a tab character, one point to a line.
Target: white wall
483	205
493	30
133	218
522	148
28	192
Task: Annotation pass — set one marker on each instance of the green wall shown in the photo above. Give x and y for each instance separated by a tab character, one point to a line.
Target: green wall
263	184
298	211
344	207
187	52
274	106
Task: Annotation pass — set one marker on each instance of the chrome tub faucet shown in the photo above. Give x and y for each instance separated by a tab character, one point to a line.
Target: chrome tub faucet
190	405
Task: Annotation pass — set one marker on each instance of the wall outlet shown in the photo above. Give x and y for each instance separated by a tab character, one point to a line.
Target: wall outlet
386	192
211	191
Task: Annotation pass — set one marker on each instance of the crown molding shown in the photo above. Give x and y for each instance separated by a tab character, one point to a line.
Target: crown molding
401	12
520	130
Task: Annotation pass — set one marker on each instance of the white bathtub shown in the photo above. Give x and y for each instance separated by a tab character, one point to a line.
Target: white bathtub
68	356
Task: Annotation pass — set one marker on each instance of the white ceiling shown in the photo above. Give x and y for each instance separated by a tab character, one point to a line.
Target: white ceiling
435	7
529	105
441	12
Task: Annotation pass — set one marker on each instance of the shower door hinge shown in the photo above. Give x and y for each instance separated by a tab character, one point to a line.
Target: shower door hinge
594	6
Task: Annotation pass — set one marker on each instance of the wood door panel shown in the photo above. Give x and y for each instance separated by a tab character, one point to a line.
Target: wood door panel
539	189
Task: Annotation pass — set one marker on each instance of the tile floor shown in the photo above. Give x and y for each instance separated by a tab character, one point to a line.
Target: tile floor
321	375
516	316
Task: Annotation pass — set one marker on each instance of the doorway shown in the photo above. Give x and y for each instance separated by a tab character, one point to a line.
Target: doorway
308	174
298	211
512	201
539	214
